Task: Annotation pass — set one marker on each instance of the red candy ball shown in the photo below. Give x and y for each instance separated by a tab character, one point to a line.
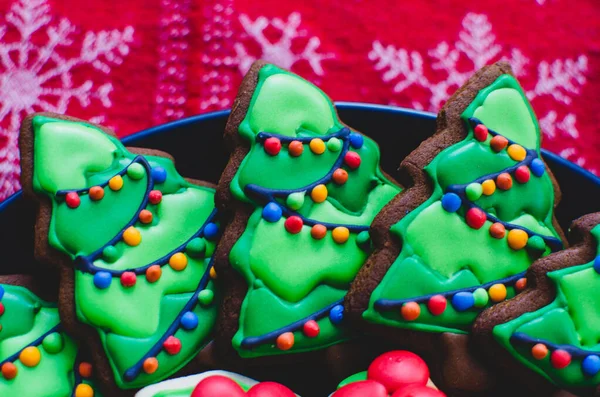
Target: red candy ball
1	308
418	391
480	132
352	160
475	218
172	345
217	386
560	359
311	329
272	146
522	174
269	389
155	196
293	224
397	369
72	200
437	305
128	279
362	388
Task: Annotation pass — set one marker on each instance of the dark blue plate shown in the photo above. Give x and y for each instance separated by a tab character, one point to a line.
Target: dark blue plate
196	144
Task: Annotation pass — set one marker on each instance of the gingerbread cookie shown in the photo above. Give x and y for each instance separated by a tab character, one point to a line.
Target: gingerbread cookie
478	212
133	240
37	357
551	328
303	189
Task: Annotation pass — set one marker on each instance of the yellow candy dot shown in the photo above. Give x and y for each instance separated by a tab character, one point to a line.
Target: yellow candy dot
497	292
84	390
517	239
340	234
213	273
30	356
516	152
317	146
319	193
178	261
488	187
132	236
115	183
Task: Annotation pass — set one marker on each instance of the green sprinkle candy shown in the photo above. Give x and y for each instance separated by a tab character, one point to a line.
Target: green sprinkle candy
196	247
110	254
295	200
136	171
481	297
474	191
334	144
53	343
205	297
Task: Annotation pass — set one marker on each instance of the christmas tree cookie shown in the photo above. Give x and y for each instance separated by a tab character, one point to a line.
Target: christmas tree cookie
552	328
134	240
37	357
304	189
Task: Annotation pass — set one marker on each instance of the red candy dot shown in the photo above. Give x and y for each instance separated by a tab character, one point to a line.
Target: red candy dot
560	359
318	231
72	200
521	284
293	224
155	196
311	329
85	370
497	230
1	308
352	160
269	389
340	176
522	174
475	218
172	345
437	305
539	351
217	385
418	391
96	193
498	143
9	370
295	148
145	216
481	132
410	311
128	279
504	181
397	369
272	146
362	388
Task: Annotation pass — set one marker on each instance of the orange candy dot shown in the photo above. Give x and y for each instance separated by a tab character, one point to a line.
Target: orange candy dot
497	292
84	390
9	371
497	230
498	143
410	311
145	216
85	370
488	187
96	193
504	181
213	273
340	176
153	273
539	351
517	239
285	341
521	284
150	365
30	356
295	148
318	232
516	152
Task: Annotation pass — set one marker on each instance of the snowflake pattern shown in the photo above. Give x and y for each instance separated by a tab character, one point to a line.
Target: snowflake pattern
38	77
559	80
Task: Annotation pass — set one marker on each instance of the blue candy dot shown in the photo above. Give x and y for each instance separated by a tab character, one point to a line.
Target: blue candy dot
189	320
159	174
272	212
102	280
537	167
356	140
591	365
451	202
211	231
597	264
463	301
336	315
1	292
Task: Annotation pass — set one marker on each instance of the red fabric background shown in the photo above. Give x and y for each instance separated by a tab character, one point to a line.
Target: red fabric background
137	63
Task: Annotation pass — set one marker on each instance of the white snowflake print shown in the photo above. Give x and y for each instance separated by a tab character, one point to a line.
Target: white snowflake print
36	74
280	52
559	80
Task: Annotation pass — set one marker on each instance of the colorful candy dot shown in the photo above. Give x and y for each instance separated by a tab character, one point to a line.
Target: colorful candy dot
110	254
212	273
319	193
481	132
537	167
410	311
334	144
536	243
481	298
591	365
317	146
72	199
115	183
128	279
145	216
136	171
498	143
85	369
340	176
318	231
196	247
451	202
1	292
96	193
293	224
539	351
102	280
295	148
597	264
363	238
53	343
272	212
205	297
474	191
272	146
517	239
475	218
356	140
437	304
560	359
497	292
150	365
336	314
189	320
488	187
155	197
504	181
522	174
211	231
172	345
84	390
285	341
159	174
9	371
2	308
463	301
153	273
132	236
521	284
178	261
295	201
340	234
497	230
30	356
311	329
352	160
516	152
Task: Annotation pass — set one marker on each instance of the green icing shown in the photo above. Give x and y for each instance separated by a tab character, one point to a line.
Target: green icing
572	319
440	252
360	376
292	276
129	320
27	318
